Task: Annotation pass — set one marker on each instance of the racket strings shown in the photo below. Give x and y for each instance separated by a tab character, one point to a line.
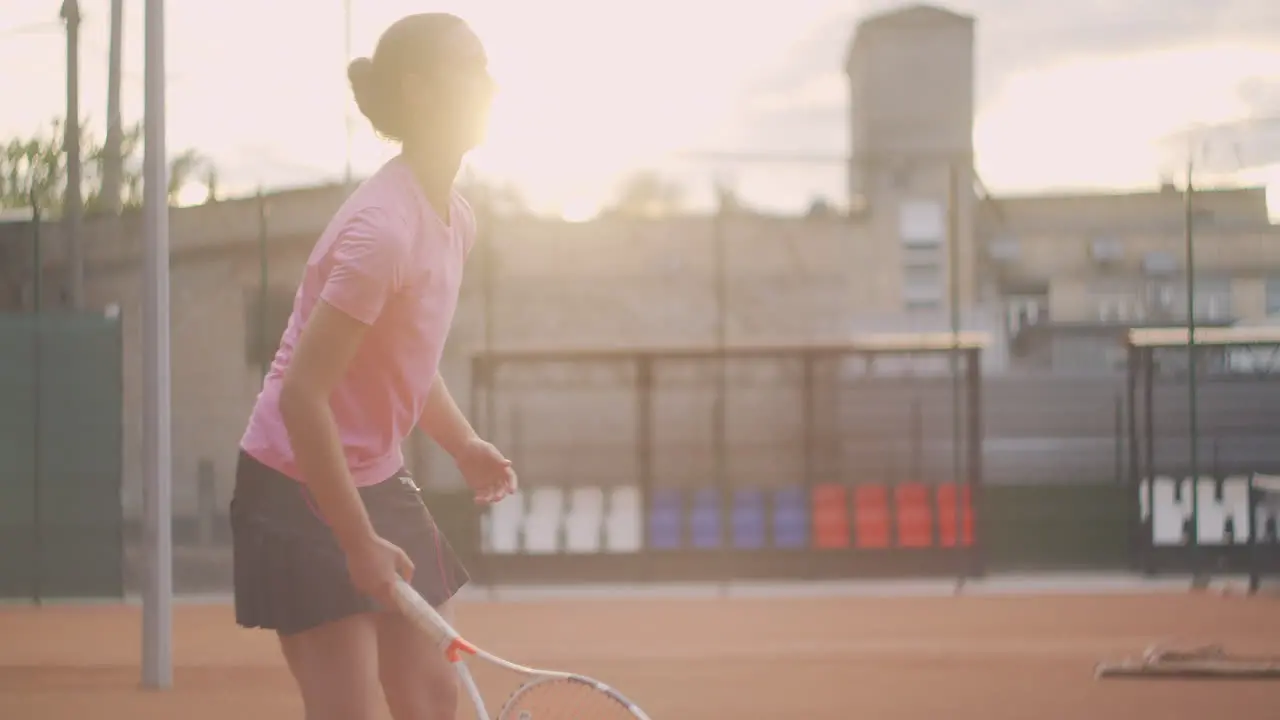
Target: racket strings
564	699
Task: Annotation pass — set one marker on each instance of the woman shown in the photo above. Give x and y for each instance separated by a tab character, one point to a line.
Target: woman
324	516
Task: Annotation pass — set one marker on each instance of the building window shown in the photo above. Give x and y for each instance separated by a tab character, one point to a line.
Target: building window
1003	249
1273	297
922	305
1120	309
264	324
1159	264
922	285
1213	299
1162	300
1106	250
1024	311
921	223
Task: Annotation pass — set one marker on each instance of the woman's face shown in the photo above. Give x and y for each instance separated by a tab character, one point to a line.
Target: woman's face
450	104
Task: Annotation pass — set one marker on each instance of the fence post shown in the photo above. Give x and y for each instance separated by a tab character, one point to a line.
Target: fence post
1148	369
644	443
1118	413
37	480
976	437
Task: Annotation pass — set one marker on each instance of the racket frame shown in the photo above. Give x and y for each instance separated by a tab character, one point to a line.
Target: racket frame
413	606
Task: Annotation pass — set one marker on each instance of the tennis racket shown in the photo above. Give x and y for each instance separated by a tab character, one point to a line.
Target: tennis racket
541	694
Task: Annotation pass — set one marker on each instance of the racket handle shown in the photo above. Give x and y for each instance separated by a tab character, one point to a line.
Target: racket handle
413	606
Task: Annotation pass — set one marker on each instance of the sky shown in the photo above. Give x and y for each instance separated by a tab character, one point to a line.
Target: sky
1069	95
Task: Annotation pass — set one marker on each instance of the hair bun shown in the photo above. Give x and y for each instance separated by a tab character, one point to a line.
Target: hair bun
371	97
360	72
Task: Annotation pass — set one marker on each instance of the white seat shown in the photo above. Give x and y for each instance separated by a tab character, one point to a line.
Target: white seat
586	514
1168	513
1268	487
543	521
503	524
622	529
1212	518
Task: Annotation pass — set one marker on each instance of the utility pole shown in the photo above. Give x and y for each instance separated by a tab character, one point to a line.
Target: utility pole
113	159
73	209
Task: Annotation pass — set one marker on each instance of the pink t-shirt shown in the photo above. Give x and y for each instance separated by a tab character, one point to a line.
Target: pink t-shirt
390	261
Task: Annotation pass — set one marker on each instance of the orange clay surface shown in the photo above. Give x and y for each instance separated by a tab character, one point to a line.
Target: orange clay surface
937	658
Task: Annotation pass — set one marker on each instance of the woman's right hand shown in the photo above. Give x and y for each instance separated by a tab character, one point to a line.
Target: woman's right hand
375	565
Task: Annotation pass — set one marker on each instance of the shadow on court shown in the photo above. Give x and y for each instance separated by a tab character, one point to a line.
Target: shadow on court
925	658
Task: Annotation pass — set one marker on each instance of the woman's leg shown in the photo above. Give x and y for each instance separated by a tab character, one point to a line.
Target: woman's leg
418	681
336	668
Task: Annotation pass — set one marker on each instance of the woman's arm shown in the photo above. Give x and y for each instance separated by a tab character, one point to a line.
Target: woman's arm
363	273
485	469
326	345
444	421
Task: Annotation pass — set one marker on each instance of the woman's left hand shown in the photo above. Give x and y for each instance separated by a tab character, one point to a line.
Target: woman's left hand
486	471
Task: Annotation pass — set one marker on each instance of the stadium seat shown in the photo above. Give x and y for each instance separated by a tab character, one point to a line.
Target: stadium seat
1231	503
946	496
748	519
504	524
665	515
544	521
915	515
871	516
1171	505
790	520
585	520
830	517
622	524
704	519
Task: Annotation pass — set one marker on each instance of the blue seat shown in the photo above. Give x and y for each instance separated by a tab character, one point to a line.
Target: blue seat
665	510
790	519
704	519
748	519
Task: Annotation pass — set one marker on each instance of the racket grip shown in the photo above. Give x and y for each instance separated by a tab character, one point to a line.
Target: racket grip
413	606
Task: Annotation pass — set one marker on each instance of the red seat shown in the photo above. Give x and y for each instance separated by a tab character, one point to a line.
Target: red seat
915	516
871	516
830	516
947	515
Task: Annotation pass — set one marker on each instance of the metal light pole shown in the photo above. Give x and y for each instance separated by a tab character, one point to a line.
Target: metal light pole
157	607
73	206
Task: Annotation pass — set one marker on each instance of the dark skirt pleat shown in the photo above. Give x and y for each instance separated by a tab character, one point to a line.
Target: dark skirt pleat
291	576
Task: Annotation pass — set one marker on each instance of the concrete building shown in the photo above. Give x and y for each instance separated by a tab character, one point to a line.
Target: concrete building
1055	279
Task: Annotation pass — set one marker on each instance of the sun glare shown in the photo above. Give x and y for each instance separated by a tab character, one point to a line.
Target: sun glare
1100	122
580	210
579	110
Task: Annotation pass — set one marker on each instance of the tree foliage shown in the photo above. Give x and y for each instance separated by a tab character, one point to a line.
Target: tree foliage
35	168
648	194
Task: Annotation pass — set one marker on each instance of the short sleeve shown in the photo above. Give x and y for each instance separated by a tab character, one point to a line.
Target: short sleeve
365	265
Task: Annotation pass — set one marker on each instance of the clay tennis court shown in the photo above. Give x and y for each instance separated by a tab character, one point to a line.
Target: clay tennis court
925	658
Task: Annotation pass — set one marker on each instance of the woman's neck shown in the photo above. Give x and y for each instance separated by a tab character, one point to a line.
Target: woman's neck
435	171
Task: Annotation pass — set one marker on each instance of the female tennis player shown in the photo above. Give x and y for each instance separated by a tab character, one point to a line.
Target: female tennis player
324	516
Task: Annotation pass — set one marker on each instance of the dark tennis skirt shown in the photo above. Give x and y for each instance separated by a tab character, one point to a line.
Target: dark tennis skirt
290	573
